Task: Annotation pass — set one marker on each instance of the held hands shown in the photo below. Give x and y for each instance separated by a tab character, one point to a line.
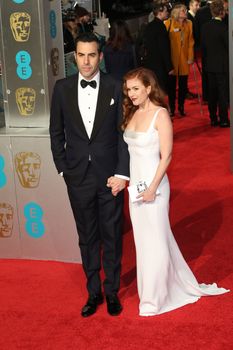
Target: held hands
116	184
190	61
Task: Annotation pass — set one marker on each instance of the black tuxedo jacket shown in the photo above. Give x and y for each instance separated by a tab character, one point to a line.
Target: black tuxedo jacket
203	16
157	44
214	43
70	144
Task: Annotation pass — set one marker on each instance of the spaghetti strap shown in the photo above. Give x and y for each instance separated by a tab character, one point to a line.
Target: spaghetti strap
154	118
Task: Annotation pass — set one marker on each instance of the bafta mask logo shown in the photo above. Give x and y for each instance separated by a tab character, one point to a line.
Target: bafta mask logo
27	166
6	220
20	26
54	57
25	99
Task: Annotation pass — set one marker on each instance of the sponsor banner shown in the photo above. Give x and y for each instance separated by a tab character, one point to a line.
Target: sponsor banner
33	59
9	228
36	219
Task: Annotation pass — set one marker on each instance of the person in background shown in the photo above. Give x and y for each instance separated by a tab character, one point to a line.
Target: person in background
157	45
84	20
119	52
70	30
89	151
203	16
182	54
194	6
214	43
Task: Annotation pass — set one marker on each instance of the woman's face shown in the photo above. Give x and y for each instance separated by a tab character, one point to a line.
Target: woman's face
136	91
183	13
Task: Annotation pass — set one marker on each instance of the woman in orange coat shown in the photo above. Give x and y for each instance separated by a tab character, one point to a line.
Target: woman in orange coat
182	54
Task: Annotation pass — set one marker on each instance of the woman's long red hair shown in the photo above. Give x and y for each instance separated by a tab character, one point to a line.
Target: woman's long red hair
148	78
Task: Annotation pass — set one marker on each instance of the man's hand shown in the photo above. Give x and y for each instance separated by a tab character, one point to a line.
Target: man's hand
116	184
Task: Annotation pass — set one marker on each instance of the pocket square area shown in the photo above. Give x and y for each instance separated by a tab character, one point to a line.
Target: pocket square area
112	102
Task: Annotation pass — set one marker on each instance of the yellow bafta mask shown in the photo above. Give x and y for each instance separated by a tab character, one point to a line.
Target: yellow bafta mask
20	23
27	166
6	220
54	58
25	99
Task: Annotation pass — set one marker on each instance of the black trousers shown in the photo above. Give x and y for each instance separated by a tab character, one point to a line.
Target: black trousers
98	216
182	90
218	96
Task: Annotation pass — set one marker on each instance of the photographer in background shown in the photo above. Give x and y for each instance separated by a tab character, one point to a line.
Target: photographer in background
70	30
83	20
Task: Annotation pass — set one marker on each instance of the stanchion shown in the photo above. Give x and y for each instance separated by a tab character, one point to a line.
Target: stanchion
197	88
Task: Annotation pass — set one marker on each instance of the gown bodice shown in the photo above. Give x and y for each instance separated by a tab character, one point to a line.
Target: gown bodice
144	150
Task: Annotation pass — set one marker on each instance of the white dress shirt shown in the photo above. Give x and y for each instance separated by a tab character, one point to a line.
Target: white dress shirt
87	101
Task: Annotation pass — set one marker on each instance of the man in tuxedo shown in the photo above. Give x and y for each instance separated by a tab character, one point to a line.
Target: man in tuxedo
194	6
214	42
89	151
157	44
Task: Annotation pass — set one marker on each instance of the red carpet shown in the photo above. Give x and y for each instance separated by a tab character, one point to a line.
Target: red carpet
40	302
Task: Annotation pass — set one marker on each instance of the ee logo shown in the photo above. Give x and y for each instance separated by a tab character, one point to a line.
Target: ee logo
34	225
2	174
52	21
18	1
23	60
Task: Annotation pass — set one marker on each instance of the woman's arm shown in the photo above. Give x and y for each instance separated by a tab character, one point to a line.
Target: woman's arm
164	126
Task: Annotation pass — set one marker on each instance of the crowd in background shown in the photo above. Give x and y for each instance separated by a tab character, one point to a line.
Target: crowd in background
174	39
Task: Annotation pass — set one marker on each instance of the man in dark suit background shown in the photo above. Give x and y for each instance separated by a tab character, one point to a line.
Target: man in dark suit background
88	149
194	6
214	42
157	44
203	16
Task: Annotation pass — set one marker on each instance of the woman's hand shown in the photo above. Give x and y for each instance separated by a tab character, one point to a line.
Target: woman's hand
148	195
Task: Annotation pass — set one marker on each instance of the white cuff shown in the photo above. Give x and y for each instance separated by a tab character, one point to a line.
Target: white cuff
122	177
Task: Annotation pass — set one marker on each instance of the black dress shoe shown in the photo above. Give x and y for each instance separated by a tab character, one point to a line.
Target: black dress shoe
190	95
113	305
181	110
224	124
214	122
172	114
91	305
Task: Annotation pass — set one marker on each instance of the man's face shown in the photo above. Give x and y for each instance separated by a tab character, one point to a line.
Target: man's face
25	99
88	59
20	26
194	6
85	19
6	220
164	13
28	169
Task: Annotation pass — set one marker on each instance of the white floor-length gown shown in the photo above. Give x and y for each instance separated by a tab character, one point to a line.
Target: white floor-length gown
165	281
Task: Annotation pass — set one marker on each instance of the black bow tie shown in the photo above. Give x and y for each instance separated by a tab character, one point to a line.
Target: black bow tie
84	83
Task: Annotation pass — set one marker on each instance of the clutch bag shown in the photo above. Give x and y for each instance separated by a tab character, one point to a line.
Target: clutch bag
135	190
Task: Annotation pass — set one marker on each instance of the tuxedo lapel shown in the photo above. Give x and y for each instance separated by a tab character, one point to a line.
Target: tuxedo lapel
72	98
103	103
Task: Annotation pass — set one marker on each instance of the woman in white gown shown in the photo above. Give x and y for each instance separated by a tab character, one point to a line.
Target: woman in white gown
165	281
